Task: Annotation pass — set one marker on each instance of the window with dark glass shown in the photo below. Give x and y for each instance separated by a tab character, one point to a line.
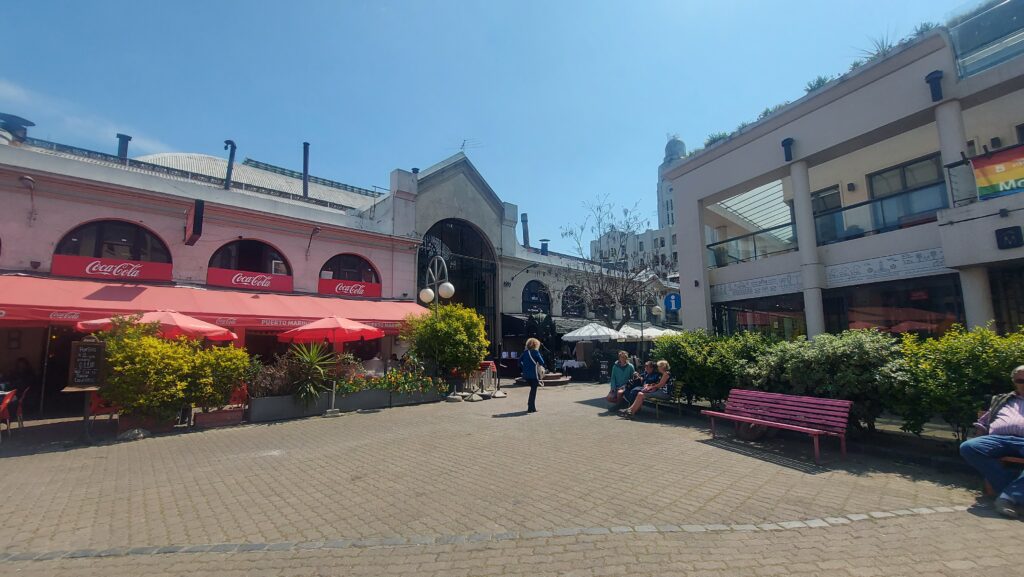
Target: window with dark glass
536	298
779	316
251	256
349	267
114	239
826	199
925	306
909	176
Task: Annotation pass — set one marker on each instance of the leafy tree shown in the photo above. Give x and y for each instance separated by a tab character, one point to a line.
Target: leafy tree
452	338
542	327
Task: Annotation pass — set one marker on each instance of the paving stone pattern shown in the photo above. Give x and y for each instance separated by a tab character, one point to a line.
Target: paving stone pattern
478	488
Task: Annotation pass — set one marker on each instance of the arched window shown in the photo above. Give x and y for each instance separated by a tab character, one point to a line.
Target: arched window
351	267
536	298
114	239
572	302
251	256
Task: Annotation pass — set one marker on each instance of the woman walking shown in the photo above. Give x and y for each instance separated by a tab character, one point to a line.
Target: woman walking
528	363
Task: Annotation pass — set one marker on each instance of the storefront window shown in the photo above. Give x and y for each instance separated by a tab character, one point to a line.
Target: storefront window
925	306
251	256
115	239
349	267
1008	297
779	316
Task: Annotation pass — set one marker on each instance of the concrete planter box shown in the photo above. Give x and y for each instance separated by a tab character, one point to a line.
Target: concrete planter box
363	400
221	418
403	399
265	409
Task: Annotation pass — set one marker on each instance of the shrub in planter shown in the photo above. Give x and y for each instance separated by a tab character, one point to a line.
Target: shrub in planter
217	372
313	369
452	338
146	375
699	362
952	376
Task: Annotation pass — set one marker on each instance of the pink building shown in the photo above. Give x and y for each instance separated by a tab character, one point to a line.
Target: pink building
85	235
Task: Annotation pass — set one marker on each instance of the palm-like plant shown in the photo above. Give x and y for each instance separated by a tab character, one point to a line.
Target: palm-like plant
313	364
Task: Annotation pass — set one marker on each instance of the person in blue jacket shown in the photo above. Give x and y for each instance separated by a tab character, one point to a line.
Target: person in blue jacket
528	362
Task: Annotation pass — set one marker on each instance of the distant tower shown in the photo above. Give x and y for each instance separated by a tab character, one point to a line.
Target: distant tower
674	150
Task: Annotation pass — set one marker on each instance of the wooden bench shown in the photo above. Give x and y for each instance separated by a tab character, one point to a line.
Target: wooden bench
1019	461
808	415
677	397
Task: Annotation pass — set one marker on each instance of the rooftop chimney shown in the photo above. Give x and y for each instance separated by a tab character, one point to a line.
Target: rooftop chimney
229	144
526	231
122	145
305	170
13	129
544	246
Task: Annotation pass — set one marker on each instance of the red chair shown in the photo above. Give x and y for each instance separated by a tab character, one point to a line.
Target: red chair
5	413
22	399
100	406
239	396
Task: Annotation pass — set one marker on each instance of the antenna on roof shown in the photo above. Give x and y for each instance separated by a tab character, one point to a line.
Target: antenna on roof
469	143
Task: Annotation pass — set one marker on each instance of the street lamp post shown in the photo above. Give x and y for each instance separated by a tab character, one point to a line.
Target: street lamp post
436	286
656	310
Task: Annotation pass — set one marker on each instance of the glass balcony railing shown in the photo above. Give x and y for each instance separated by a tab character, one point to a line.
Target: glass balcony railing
756	245
902	210
989	35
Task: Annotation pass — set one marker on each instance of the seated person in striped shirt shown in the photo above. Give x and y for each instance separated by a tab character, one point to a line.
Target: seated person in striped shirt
1001	431
655	390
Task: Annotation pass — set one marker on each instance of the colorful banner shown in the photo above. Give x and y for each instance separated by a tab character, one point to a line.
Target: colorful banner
248	280
348	288
1001	174
110	268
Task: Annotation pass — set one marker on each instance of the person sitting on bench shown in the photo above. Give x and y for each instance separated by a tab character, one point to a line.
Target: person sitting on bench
650	376
622	373
1001	431
656	390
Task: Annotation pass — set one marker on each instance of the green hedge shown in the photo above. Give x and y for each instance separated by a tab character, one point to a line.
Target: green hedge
917	379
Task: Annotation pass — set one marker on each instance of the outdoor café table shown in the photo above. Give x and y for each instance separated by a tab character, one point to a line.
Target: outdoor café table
89	390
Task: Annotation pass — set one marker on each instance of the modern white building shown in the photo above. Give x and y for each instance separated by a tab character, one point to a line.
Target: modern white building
857	206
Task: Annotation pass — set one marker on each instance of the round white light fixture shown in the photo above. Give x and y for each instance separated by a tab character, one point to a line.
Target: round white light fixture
427	295
656	310
446	290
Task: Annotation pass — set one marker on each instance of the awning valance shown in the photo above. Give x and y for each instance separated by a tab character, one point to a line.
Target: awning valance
37	300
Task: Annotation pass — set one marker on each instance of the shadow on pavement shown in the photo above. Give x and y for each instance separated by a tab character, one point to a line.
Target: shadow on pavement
512	414
879	452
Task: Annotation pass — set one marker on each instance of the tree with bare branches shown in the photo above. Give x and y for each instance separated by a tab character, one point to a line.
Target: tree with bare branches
617	276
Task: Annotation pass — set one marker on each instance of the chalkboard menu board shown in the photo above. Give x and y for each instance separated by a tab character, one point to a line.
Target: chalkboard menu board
86	363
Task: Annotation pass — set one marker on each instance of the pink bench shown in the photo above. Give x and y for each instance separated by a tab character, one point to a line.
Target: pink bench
808	415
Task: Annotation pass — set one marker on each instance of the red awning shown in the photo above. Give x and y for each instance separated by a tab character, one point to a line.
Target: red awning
34	300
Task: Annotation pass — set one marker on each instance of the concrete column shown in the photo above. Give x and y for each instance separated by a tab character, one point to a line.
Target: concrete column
693	271
977	296
811	269
949	120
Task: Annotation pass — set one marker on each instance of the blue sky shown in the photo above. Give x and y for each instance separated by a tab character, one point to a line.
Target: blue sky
561	100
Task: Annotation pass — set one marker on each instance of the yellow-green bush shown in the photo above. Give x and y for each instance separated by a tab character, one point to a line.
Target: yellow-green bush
452	338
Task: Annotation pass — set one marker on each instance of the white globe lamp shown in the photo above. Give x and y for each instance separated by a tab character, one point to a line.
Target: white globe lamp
446	290
656	310
427	295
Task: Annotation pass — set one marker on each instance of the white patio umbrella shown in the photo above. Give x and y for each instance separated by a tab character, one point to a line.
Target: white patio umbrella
634	335
592	332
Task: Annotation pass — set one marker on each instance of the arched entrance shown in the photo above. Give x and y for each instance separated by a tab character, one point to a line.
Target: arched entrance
471	266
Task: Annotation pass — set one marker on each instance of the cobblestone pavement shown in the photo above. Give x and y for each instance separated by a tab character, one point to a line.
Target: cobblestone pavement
481	489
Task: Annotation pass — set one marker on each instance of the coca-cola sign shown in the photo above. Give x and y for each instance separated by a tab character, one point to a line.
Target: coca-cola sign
247	280
110	268
65	315
348	288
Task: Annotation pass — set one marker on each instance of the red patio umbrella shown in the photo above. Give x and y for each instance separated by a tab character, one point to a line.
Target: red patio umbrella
331	329
172	325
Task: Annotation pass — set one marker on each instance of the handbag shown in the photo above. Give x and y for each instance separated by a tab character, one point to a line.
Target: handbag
541	371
